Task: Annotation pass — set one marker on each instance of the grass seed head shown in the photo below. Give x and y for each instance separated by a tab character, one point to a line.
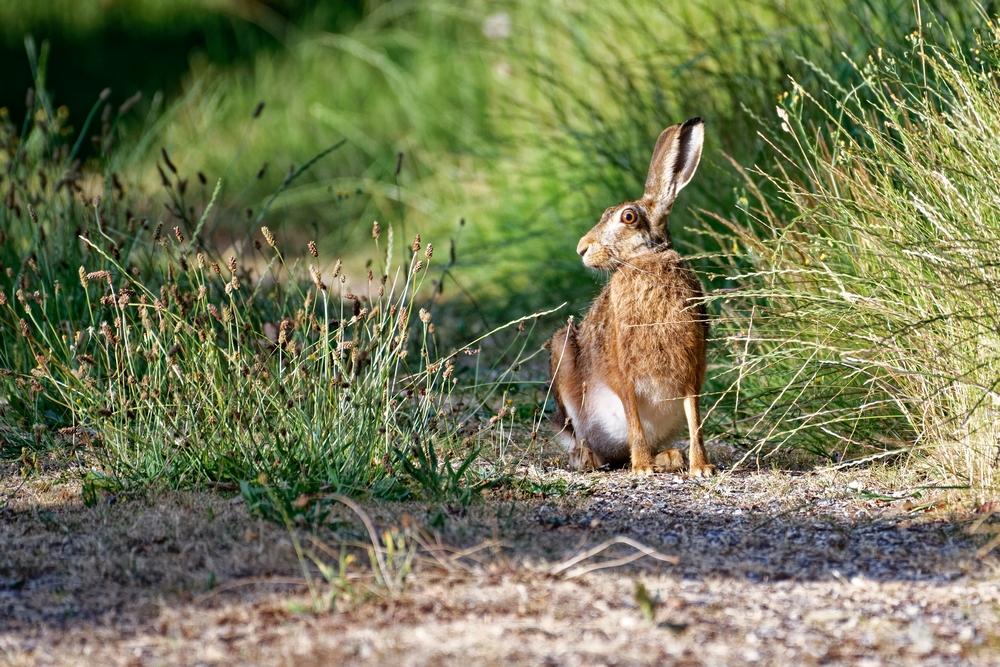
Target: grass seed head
268	236
317	278
312	249
100	275
284	329
166	160
108	334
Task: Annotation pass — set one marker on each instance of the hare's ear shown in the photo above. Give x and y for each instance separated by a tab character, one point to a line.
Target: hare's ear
675	159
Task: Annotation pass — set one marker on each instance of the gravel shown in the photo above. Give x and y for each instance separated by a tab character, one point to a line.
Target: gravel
769	567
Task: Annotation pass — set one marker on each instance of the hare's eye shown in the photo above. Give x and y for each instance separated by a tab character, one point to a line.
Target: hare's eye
629	216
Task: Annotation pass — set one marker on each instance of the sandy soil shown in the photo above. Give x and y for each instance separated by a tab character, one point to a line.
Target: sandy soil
768	567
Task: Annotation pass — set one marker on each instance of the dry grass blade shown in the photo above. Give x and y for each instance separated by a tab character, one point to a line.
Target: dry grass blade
390	582
572	568
250	581
450	559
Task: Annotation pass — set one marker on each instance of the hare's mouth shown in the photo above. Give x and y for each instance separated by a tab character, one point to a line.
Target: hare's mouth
596	258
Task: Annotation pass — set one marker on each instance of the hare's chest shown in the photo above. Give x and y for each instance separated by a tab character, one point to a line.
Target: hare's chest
654	330
656	389
661	407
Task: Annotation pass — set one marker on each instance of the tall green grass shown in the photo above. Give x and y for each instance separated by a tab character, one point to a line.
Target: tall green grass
865	313
407	87
841	333
525	119
592	86
528	119
163	360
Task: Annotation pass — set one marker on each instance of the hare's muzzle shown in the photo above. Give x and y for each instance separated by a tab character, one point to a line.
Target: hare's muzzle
582	246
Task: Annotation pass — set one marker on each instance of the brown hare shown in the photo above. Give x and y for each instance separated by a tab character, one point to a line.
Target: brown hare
630	373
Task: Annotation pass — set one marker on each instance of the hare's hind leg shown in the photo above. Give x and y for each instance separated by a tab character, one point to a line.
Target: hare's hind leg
583	458
669	460
562	371
567	387
697	457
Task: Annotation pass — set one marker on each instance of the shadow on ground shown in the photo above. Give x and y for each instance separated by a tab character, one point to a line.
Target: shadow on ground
63	565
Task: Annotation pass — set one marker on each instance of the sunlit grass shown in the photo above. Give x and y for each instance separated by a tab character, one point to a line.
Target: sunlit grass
866	315
165	361
18	17
412	113
592	86
850	254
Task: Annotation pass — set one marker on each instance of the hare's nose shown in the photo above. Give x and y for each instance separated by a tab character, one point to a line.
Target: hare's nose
582	246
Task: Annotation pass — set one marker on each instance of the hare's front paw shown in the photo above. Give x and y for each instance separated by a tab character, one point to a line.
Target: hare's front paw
642	464
670	460
583	458
703	470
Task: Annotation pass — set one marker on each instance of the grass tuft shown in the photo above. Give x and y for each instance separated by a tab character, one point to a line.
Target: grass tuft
864	321
167	358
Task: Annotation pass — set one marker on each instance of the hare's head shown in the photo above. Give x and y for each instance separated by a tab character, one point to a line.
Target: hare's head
638	227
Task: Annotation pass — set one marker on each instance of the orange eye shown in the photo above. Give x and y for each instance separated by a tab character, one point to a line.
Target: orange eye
629	216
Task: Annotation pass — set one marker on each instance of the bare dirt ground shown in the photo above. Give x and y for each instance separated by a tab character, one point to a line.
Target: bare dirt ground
771	568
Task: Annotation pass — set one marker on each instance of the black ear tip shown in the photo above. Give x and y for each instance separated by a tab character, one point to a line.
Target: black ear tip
691	122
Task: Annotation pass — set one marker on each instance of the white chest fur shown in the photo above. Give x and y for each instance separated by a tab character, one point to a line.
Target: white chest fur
600	418
661	410
603	411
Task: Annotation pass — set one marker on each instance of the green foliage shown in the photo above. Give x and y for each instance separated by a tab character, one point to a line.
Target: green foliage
175	366
441	480
593	85
407	87
849	250
867	314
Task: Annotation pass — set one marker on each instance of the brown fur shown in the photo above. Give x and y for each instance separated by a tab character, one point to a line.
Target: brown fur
624	378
